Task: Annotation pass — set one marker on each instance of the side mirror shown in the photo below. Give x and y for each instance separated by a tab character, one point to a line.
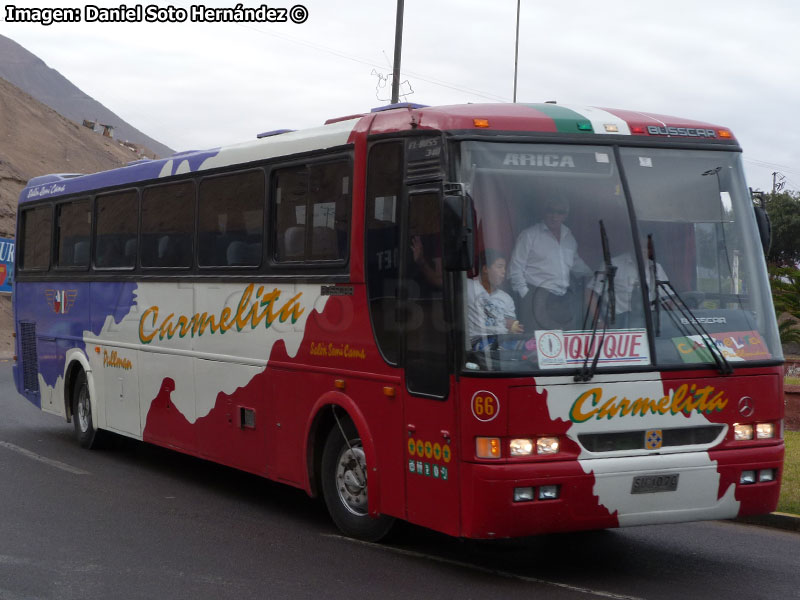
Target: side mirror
458	234
764	227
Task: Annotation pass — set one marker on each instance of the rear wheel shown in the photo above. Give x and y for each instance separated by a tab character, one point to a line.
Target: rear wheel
344	485
85	432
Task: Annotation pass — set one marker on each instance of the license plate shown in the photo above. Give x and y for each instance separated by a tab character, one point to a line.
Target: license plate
651	484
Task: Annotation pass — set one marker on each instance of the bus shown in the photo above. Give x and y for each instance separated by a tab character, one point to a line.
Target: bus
303	307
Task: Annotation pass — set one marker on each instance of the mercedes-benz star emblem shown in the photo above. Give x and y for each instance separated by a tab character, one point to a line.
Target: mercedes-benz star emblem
746	408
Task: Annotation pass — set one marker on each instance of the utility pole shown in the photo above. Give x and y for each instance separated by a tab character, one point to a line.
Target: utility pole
516	55
398	45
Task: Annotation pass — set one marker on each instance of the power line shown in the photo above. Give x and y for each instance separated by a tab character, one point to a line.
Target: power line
770	165
373	64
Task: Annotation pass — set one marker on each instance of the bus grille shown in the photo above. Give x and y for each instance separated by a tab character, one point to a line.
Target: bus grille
30	362
635	440
430	168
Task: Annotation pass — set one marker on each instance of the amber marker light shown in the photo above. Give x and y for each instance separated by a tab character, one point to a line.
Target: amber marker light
724	133
339	384
482	123
388	391
487	447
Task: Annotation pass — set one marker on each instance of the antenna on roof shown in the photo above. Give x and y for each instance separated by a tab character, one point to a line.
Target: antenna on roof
516	55
398	44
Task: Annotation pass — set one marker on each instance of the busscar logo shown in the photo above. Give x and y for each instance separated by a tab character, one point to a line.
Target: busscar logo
61	300
682	131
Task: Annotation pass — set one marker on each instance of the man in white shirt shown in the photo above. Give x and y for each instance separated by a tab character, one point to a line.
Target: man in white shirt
490	310
544	257
626	283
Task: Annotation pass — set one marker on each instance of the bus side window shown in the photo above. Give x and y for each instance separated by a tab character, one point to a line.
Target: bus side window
37	224
73	231
231	216
168	225
117	230
313	212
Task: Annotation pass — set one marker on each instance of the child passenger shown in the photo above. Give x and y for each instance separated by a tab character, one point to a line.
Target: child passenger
490	310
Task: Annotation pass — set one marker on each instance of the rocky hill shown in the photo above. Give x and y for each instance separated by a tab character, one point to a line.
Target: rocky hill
36	140
48	86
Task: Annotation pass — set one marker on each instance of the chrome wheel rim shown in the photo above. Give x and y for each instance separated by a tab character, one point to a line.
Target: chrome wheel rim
351	478
84	408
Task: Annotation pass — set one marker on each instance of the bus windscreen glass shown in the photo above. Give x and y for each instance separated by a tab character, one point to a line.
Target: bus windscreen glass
654	261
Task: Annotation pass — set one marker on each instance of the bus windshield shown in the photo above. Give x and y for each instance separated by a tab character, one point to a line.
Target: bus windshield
592	257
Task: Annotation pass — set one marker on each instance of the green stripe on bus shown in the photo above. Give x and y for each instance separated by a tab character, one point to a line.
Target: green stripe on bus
566	120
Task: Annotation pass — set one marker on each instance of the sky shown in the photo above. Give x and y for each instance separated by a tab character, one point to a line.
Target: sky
195	85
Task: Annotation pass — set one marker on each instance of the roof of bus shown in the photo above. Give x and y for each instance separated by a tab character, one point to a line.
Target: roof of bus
546	118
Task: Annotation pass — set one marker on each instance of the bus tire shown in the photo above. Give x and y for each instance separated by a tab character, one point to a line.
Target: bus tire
344	485
85	433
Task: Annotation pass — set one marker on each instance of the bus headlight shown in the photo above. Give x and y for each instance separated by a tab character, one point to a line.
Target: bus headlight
766	475
549	492
747	477
765	431
742	431
547	445
523	494
521	447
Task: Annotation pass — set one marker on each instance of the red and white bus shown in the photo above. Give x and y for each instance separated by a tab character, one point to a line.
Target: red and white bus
308	307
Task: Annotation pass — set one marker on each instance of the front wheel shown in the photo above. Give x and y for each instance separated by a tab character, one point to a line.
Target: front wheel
344	485
85	432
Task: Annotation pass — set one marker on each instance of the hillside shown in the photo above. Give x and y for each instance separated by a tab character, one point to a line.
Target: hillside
36	140
48	86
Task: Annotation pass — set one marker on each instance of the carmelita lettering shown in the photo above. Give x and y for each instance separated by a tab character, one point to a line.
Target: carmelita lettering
590	405
250	311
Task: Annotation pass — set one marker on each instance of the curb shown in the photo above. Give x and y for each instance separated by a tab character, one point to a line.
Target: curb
776	520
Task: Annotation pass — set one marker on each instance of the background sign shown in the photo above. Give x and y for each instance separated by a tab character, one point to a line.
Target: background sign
6	265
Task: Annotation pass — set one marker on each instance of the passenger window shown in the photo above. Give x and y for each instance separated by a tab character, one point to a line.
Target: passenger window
231	220
37	225
313	212
73	232
168	225
384	186
117	230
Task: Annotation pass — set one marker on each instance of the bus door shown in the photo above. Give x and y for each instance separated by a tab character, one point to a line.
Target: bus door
429	404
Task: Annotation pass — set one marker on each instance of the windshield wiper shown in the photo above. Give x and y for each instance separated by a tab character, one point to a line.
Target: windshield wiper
671	295
585	373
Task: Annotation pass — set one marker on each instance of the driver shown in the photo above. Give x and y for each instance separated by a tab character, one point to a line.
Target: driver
490	310
545	257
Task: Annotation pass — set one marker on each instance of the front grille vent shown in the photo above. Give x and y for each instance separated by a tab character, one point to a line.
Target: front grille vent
636	440
30	361
430	168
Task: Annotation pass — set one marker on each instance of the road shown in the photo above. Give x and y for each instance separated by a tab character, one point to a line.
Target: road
135	521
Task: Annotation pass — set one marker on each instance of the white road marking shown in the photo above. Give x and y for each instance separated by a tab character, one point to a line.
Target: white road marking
506	574
43	459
